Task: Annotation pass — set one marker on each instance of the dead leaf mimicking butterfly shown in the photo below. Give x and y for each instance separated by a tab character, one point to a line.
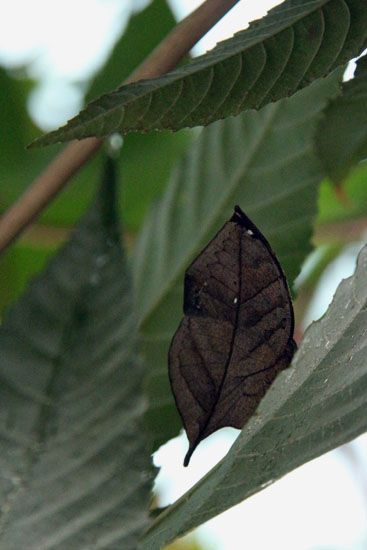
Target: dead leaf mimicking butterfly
236	334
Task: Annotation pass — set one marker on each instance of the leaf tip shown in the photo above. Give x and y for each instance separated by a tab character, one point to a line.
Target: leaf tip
42	141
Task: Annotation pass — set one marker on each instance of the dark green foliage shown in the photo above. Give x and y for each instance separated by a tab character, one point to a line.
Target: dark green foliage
341	139
294	44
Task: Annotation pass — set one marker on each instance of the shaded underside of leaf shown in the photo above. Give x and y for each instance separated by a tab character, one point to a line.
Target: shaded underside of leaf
293	45
263	161
341	137
75	468
313	407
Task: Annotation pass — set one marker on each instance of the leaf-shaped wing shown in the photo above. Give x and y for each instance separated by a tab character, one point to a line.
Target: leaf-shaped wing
236	334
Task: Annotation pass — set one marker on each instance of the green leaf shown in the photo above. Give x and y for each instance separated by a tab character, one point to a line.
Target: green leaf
75	467
314	406
263	161
293	45
341	137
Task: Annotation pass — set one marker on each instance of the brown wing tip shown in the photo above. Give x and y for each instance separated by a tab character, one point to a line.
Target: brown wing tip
240	218
238	211
189	454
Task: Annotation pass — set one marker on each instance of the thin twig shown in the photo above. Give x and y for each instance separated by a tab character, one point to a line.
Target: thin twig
57	174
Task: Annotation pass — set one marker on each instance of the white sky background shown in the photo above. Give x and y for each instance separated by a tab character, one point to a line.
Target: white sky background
320	506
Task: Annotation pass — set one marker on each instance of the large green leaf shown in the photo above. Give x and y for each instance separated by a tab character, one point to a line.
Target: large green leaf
75	465
316	405
297	42
341	137
264	161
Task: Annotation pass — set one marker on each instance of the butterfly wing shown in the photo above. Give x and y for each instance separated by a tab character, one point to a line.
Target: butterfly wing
236	334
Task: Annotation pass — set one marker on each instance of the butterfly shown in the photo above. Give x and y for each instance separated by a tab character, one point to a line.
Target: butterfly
236	334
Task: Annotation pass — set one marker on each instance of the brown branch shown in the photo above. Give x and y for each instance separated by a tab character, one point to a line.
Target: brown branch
57	174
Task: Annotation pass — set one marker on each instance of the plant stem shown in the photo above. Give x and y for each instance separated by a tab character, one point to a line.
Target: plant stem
67	163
